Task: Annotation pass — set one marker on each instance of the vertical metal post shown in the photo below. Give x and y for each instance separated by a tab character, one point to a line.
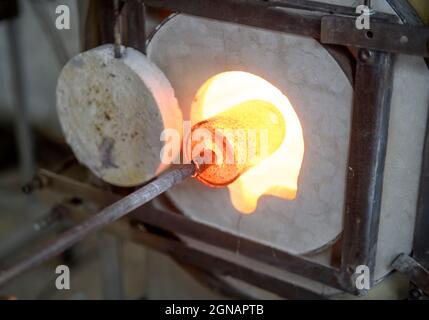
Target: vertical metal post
117	28
367	152
421	230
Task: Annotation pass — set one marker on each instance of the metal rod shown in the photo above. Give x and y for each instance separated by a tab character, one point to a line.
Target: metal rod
117	34
100	220
264	14
367	152
387	37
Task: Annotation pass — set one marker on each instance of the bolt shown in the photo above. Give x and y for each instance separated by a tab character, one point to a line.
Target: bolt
365	55
403	40
38	182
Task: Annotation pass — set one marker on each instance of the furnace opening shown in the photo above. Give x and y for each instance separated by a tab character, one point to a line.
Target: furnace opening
277	174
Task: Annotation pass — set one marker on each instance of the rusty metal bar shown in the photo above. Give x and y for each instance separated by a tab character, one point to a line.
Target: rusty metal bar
421	229
100	220
326	8
314	7
260	14
367	152
382	36
117	28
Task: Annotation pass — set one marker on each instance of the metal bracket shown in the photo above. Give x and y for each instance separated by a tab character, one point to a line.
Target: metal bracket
382	36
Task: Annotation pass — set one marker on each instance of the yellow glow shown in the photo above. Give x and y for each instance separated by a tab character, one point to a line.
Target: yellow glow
231	142
276	175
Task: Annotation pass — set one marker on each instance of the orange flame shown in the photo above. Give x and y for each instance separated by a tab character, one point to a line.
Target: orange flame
275	175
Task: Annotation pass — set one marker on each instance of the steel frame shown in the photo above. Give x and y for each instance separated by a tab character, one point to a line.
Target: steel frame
367	149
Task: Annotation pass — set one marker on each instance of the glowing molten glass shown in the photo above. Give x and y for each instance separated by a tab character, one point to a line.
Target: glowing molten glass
246	101
234	140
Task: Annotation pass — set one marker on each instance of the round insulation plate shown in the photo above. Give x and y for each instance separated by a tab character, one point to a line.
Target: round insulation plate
113	112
